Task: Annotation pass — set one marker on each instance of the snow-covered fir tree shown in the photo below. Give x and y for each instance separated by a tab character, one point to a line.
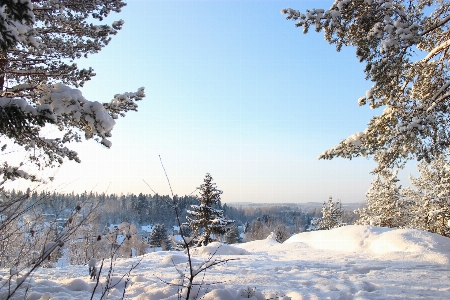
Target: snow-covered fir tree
39	78
430	210
204	219
159	237
385	207
282	233
331	216
404	45
232	236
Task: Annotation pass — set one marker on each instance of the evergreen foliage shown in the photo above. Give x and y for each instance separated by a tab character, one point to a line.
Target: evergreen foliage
430	207
331	216
232	236
39	78
16	17
185	230
404	45
386	207
159	237
204	218
282	233
246	227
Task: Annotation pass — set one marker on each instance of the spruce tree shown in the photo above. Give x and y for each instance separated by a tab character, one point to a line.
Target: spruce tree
204	219
282	233
159	237
331	214
233	236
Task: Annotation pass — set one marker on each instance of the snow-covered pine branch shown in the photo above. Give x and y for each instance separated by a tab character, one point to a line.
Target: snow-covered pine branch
39	77
16	18
404	45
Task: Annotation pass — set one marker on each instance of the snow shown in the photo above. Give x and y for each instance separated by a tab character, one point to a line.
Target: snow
219	249
350	262
92	263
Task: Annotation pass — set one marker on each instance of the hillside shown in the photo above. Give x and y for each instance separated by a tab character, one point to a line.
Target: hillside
352	262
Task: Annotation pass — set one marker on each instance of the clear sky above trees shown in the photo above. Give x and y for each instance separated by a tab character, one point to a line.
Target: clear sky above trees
233	89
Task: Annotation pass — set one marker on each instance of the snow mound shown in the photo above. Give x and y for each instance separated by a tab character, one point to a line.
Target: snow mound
173	259
219	249
139	278
76	285
378	241
259	245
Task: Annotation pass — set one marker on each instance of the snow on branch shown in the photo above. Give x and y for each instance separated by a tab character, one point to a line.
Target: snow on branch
415	92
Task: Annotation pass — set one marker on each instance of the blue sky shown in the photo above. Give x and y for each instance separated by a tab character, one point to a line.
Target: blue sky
232	89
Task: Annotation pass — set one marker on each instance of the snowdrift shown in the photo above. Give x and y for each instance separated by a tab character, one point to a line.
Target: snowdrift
216	248
379	241
351	262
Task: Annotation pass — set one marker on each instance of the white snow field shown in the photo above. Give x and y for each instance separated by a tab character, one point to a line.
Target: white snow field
351	262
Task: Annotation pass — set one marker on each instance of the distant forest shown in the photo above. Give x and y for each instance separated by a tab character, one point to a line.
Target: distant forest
146	209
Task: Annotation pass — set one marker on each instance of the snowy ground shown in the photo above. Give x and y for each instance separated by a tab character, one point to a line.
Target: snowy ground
352	262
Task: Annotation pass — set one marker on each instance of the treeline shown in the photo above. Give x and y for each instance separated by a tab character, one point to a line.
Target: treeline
146	209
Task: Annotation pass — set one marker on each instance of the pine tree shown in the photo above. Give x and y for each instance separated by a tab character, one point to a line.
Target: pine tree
331	216
232	236
386	207
404	45
430	209
39	78
159	237
204	218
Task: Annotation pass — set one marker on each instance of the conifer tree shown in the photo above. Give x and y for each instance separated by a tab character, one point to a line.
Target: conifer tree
282	233
404	45
386	207
331	216
246	227
430	208
159	237
232	236
204	219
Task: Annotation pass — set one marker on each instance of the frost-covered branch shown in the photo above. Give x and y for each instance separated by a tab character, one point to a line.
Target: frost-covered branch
39	78
387	35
